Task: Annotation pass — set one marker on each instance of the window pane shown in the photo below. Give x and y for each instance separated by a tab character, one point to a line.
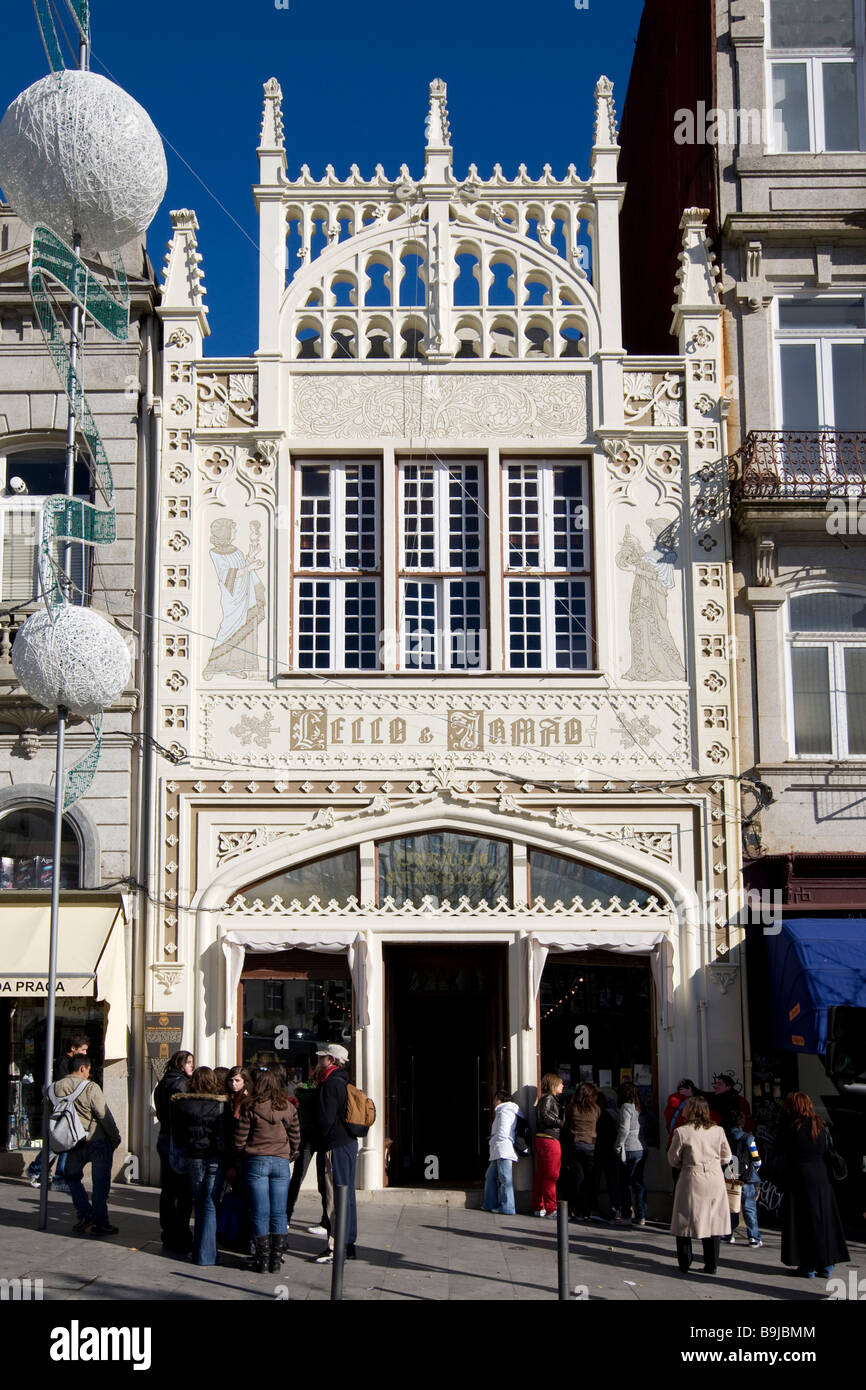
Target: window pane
855	698
361	626
524	544
419	516
21	530
849	385
420	625
444	866
314	625
790	107
524	625
335	876
800	386
361	516
464	516
841	117
27	851
811	676
555	878
828	613
464	620
571	625
816	314
43	472
568	518
315	518
812	23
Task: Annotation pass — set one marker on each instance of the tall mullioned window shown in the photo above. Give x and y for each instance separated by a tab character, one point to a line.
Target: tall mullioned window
815	74
827	635
821	344
442	564
27	477
337	584
547	561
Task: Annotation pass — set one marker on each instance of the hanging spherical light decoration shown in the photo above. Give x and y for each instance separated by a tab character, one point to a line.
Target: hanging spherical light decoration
73	659
79	155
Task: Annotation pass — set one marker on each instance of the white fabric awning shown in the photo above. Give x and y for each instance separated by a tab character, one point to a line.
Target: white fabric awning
654	943
91	958
351	943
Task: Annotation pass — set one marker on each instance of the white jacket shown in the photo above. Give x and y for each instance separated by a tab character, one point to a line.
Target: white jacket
502	1132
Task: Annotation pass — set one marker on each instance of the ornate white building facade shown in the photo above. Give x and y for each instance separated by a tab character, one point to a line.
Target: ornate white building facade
444	653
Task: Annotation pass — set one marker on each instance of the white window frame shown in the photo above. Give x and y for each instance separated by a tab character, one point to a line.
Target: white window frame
824	340
814	64
12	504
441	574
835	643
547	573
337	575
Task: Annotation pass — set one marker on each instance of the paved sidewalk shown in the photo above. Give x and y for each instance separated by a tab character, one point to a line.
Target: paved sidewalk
406	1251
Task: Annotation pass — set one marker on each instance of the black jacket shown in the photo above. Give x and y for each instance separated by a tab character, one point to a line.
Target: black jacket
548	1118
331	1114
198	1124
172	1082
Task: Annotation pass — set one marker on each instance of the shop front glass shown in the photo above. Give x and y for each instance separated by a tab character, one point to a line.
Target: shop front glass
292	1008
22	1055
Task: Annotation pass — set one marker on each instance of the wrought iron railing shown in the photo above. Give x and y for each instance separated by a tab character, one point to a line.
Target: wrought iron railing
815	464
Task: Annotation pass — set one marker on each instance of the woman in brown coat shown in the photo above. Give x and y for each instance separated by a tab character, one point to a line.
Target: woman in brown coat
699	1150
267	1133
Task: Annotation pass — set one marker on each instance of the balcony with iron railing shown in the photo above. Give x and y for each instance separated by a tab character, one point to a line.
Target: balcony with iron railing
796	467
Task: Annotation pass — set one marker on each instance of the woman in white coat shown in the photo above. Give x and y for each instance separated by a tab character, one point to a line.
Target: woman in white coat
699	1150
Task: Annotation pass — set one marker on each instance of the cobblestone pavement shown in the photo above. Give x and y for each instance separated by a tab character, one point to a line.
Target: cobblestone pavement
406	1251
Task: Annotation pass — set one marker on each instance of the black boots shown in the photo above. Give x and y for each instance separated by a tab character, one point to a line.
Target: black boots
684	1254
261	1257
279	1246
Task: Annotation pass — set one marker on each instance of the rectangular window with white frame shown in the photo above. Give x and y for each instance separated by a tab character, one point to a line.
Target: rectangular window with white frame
337	583
827	644
27	478
442	565
548	607
815	74
820	349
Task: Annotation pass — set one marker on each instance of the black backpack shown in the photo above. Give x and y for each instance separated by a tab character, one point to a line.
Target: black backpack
523	1137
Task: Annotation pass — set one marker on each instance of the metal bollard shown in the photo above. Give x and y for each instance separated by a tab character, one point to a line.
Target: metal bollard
341	1212
562	1249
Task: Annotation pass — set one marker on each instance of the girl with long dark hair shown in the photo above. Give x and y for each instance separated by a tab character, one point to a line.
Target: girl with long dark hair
812	1236
267	1133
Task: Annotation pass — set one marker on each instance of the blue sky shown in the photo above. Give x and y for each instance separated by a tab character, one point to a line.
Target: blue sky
355	80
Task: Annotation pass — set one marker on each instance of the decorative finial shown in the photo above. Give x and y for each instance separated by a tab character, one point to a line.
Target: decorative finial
605	114
438	130
272	117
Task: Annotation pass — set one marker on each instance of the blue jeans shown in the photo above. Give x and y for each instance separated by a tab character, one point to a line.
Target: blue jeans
343	1163
749	1208
631	1179
499	1188
267	1178
205	1184
96	1152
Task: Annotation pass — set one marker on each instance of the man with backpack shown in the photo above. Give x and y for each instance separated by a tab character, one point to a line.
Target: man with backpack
82	1126
339	1146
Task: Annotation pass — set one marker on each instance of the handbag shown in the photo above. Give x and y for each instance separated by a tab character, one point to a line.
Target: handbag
735	1195
835	1162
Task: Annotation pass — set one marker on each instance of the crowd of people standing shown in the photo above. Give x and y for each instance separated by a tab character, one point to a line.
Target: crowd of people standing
597	1141
229	1140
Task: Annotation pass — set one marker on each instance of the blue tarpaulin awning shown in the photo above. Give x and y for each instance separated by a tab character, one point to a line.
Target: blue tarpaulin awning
816	964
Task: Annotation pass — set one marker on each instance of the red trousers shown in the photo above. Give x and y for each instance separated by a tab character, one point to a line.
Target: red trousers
548	1160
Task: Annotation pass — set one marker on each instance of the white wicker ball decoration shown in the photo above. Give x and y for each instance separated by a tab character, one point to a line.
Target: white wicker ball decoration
77	661
80	155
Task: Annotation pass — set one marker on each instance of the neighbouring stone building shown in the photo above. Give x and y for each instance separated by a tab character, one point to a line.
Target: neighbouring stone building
444	653
759	105
100	849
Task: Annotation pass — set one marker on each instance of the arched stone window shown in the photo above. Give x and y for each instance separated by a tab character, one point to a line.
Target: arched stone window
27	850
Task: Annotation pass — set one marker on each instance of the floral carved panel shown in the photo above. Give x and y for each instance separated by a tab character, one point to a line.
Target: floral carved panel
441	406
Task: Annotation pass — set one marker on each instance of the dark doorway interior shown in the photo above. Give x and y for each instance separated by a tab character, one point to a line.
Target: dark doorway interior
446	1055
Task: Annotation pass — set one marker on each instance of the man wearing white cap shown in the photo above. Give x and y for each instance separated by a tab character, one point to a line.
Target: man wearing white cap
340	1147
